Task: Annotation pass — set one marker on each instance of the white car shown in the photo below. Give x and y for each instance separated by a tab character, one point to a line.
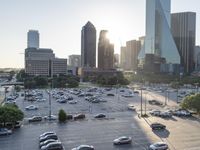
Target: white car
5	131
52	117
84	147
131	107
53	146
31	107
47	133
128	95
122	140
158	146
41	100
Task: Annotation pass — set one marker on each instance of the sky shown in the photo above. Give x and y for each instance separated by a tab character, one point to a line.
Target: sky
60	22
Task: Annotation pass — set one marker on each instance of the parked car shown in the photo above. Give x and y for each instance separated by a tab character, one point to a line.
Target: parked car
41	100
52	117
53	146
122	140
128	95
35	119
31	107
62	101
5	131
166	114
15	125
69	117
131	107
72	102
100	116
155	112
136	92
47	142
157	126
110	94
79	116
182	112
47	137
84	147
46	133
155	102
158	146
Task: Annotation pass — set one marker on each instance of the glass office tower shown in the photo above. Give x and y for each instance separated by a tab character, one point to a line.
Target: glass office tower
159	40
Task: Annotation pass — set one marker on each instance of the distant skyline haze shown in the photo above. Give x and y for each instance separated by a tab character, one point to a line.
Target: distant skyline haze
60	22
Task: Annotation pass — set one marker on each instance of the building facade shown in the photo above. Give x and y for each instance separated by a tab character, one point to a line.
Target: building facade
88	45
123	57
116	60
33	39
129	55
158	39
133	48
75	60
183	27
105	52
42	62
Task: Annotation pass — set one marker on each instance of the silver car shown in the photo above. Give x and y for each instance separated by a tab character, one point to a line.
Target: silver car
53	146
158	146
122	140
84	147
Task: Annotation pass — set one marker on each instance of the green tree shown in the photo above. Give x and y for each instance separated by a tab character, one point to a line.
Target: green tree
29	83
62	116
11	114
72	83
17	88
192	102
40	81
21	75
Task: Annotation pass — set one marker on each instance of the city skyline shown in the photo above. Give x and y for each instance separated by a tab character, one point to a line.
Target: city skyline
61	30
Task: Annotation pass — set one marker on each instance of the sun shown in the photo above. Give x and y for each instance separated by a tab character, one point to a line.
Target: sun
114	38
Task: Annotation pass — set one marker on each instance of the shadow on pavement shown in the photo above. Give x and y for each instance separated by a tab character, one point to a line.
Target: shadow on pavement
162	133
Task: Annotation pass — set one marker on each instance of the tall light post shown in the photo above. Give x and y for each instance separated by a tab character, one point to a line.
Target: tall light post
141	102
50	98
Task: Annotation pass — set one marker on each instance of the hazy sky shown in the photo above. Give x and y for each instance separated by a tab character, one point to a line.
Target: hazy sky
60	21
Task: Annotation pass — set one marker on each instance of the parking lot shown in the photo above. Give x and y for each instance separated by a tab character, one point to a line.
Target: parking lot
100	133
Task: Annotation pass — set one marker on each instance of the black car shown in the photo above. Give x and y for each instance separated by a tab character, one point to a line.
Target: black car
110	94
155	102
79	116
157	126
100	116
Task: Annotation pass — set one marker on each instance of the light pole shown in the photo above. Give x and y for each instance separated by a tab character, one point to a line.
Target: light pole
50	98
141	102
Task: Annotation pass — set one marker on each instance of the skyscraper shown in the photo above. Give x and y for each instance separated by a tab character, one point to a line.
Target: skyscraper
75	60
159	40
129	55
88	45
33	39
123	57
133	48
105	52
183	27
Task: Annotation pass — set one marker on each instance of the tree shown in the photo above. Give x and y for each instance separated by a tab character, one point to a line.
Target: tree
192	102
72	83
21	75
17	88
11	114
40	81
62	116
